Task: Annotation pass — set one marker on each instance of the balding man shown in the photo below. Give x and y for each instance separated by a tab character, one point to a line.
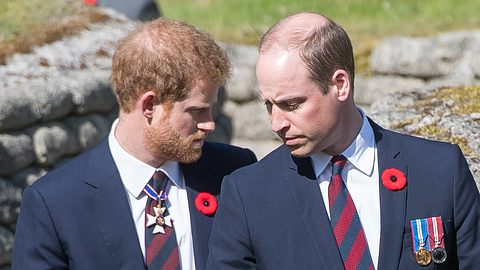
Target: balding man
341	192
145	197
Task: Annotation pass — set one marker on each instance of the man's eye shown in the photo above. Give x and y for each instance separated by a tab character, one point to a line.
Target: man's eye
197	110
292	106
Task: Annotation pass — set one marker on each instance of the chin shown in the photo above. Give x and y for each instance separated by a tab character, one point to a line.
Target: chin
299	151
191	156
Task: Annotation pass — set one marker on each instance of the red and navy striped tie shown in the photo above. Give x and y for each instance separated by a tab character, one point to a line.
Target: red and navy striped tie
161	249
346	224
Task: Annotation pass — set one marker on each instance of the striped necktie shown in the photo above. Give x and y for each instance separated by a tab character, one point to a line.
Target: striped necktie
346	224
160	242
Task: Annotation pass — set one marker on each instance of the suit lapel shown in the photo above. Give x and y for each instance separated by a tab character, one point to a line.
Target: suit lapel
392	203
110	209
309	202
198	178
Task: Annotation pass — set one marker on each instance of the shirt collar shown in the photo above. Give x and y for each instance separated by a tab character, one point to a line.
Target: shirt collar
135	173
360	153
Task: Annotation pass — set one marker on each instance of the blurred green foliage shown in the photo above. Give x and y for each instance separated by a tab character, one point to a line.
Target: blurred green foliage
366	21
28	23
22	16
244	21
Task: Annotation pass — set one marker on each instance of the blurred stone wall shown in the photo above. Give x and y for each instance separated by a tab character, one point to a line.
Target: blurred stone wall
55	103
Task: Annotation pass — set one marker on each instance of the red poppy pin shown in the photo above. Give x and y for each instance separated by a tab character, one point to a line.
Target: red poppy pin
394	179
206	203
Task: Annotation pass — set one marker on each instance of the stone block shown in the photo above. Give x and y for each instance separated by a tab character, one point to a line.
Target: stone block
419	57
92	92
10	197
6	247
88	129
52	141
242	86
33	101
250	121
16	152
369	89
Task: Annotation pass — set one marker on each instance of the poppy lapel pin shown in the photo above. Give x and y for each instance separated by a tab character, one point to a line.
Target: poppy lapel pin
206	203
394	179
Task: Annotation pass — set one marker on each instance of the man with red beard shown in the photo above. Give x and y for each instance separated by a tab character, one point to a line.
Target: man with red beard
145	197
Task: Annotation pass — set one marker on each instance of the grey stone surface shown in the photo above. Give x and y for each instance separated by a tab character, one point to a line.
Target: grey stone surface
401	55
426	58
52	141
10	197
402	112
89	129
16	108
52	100
33	101
369	89
53	82
250	121
242	54
243	84
89	49
6	247
92	92
450	82
16	152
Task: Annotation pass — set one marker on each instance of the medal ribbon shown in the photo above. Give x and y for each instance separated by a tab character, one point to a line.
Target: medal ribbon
435	226
153	194
419	234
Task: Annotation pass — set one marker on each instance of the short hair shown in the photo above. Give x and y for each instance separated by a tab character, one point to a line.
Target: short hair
324	47
165	56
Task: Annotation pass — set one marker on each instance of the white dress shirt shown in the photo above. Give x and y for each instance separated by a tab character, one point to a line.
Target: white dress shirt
135	174
360	175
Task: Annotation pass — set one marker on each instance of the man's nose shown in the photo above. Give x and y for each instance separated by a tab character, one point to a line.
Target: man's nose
208	124
278	119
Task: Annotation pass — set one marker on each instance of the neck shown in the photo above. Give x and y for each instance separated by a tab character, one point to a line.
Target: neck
350	123
130	134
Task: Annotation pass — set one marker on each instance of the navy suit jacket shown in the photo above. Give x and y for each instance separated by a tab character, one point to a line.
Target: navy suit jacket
78	216
272	214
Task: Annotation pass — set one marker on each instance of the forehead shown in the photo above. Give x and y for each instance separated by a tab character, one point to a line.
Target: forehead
281	73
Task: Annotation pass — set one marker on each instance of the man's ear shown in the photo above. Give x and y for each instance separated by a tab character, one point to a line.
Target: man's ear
341	82
146	103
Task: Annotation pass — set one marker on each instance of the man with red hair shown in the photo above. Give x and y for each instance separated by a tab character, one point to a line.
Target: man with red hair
145	197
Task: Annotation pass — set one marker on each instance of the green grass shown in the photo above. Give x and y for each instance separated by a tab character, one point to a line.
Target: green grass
17	17
24	23
27	23
244	21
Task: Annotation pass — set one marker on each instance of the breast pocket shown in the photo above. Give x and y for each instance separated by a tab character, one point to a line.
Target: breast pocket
408	260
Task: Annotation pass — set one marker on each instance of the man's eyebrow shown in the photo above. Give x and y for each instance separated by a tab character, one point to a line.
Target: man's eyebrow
286	99
199	106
